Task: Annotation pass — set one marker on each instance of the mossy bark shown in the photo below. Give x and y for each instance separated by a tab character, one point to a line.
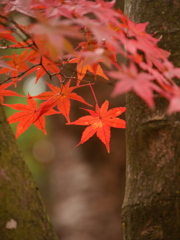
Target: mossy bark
19	197
151	208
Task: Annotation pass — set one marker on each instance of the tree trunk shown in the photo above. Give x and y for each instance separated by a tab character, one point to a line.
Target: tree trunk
22	214
151	208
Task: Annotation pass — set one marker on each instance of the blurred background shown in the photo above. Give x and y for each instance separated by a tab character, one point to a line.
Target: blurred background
82	187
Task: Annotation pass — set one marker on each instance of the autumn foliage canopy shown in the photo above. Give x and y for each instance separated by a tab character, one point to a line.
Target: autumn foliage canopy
90	35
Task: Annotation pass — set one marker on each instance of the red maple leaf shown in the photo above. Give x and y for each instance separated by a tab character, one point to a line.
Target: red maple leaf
55	34
90	55
61	97
19	6
130	79
6	34
100	122
3	64
4	92
29	114
174	104
43	66
18	62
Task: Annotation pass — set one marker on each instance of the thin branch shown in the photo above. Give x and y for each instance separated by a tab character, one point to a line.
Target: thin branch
21	74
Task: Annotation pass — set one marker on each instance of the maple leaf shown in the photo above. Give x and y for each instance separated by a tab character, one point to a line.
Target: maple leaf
17	63
42	68
141	83
3	64
54	8
47	66
6	34
83	68
138	30
170	71
174	104
102	7
99	31
100	122
61	97
4	92
91	54
55	35
18	6
29	114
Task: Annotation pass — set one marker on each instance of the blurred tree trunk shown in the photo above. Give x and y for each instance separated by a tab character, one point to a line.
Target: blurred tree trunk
22	214
151	206
87	183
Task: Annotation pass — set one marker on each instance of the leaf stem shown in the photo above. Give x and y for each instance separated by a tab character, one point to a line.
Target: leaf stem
94	95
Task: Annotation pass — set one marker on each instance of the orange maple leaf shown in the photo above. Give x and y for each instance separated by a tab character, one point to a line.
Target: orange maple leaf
100	122
4	92
61	97
17	63
83	68
29	114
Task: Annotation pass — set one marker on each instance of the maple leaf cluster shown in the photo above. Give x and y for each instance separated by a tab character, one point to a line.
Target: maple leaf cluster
45	47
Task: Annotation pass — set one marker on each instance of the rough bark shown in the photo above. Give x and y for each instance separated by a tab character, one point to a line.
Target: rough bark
151	208
19	198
